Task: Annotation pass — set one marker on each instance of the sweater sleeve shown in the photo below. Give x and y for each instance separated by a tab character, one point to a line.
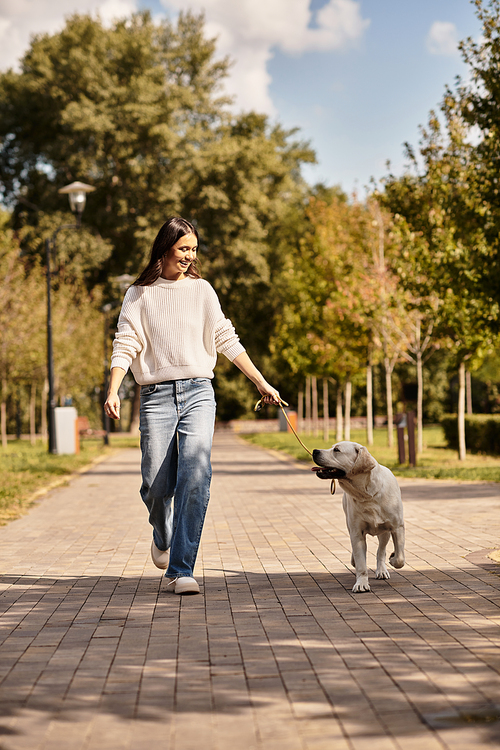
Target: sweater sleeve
127	344
227	341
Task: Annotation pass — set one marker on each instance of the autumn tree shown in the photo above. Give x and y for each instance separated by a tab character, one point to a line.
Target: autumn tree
321	329
77	327
21	310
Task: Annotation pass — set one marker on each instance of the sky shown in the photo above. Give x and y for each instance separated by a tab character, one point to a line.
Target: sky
357	77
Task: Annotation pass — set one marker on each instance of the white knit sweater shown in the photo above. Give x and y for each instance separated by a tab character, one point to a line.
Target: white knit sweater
172	330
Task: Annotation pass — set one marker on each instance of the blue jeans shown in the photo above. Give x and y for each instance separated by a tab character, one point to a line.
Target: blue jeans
177	426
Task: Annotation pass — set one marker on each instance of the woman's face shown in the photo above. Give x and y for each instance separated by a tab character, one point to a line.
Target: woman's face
178	259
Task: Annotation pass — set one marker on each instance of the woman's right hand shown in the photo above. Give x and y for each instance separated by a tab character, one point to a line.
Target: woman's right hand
112	406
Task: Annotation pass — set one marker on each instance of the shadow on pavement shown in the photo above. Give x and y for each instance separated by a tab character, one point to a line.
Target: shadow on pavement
79	646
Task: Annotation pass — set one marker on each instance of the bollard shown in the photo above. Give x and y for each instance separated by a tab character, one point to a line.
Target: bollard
400	428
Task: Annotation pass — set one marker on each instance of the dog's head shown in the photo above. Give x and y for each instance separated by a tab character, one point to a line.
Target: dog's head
344	459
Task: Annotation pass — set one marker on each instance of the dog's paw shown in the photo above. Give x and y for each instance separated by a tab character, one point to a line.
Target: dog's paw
396	562
382	573
361	586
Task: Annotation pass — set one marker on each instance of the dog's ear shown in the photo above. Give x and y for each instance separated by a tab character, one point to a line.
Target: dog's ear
363	463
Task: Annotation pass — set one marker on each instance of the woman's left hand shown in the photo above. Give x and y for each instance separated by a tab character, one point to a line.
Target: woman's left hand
269	394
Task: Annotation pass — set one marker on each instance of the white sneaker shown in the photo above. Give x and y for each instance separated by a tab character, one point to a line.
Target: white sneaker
183	585
159	557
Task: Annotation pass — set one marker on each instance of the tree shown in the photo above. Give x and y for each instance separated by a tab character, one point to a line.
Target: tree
135	110
440	204
320	330
77	329
124	107
22	304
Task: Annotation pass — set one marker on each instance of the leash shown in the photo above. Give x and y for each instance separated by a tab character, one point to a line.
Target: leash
258	406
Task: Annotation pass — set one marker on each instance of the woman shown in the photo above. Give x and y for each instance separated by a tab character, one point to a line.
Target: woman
170	329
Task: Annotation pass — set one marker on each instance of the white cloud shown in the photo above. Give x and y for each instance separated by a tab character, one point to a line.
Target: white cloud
250	30
19	19
442	38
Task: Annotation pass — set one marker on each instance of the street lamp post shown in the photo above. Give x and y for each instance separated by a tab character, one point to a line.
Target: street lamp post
77	194
106	421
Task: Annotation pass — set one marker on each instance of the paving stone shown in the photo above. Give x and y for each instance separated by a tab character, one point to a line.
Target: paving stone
277	653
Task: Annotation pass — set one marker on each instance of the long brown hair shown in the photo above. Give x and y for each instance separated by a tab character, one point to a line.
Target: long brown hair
173	229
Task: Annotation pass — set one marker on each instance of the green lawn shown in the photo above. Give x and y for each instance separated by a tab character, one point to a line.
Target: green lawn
25	468
436	462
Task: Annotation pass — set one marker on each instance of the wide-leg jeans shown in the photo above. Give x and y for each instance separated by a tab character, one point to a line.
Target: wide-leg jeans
177	424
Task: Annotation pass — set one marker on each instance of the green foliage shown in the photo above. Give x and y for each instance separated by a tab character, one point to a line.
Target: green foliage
341	291
23	303
256	169
314	334
476	103
436	462
77	325
482	432
124	108
437	376
449	198
134	109
77	255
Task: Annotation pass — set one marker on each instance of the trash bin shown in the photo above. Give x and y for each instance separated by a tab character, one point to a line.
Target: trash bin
283	424
292	416
66	429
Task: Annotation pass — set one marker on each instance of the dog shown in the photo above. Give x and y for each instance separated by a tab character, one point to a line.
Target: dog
372	505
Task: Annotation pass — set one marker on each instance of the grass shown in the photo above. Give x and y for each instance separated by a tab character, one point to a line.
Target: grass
26	468
436	461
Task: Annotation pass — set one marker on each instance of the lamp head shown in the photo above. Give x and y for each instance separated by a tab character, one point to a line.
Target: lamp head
77	194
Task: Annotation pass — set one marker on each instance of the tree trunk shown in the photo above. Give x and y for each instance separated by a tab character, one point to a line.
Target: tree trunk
136	405
461	412
340	425
468	391
300	412
3	413
314	388
43	421
388	392
308	405
326	411
18	417
369	404
32	413
420	403
348	393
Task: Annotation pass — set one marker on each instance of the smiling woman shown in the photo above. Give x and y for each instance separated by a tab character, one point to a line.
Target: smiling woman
170	329
180	258
176	241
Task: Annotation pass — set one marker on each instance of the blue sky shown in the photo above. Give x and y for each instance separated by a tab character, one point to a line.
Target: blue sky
356	76
358	107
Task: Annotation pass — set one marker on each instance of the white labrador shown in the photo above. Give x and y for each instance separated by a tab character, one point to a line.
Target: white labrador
371	502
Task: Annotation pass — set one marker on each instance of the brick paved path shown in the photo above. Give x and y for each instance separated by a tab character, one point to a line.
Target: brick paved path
277	654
